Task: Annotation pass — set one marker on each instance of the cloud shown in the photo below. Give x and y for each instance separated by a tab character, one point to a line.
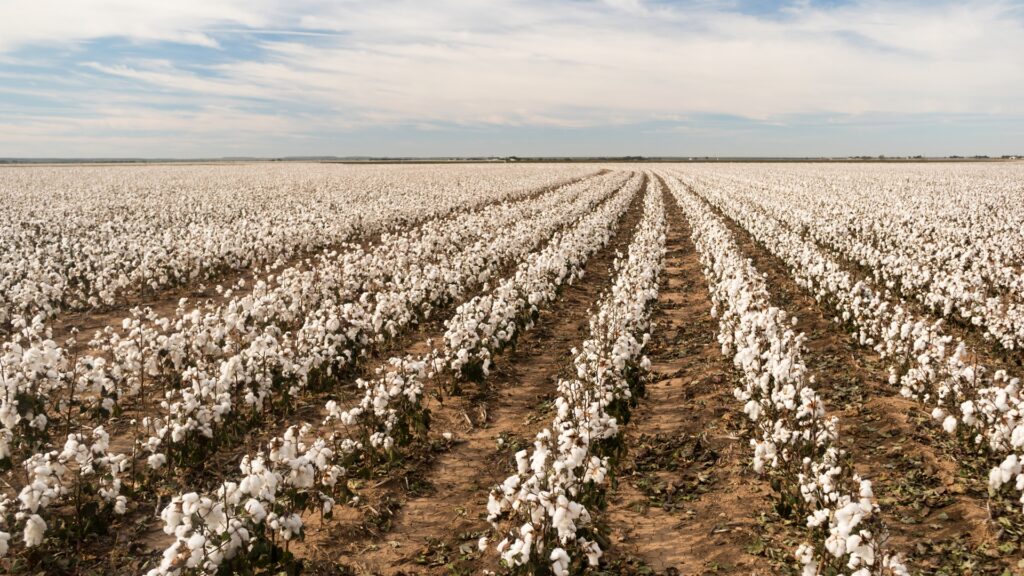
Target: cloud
314	65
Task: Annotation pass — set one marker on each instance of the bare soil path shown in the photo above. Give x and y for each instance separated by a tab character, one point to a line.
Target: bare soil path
143	533
440	513
936	512
685	499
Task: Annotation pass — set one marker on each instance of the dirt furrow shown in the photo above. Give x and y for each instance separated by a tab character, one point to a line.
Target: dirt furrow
989	352
440	508
685	500
165	300
144	532
933	509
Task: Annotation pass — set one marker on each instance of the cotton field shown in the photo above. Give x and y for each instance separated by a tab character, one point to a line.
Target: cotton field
539	368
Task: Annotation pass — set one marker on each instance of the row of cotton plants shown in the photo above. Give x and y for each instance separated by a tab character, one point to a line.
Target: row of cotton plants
248	379
105	234
954	246
794	440
249	519
542	514
335	333
487	323
375	281
983	407
155	350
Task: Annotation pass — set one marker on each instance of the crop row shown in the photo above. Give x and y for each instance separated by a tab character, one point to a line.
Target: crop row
981	406
542	514
239	361
794	441
246	521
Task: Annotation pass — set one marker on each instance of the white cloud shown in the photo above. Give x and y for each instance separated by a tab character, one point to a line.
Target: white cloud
533	62
55	22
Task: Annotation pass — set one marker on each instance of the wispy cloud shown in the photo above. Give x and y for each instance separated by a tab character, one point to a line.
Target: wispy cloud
307	73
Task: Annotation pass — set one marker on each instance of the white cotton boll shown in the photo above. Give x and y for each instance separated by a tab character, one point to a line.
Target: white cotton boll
1017	436
493	508
559	562
4	546
1002	474
35	529
804	554
817	518
481	544
752	409
866	490
949	424
172	516
120	505
522	462
156	461
255	509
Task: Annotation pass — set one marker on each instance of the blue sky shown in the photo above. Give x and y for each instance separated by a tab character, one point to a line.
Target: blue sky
210	78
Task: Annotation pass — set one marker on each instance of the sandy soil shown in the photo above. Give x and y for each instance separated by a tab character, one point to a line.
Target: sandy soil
685	501
933	508
436	525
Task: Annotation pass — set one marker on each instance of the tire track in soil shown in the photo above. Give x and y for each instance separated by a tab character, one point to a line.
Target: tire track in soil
925	501
447	510
685	502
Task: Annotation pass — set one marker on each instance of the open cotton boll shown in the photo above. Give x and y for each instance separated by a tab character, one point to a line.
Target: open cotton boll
156	461
559	562
35	530
949	424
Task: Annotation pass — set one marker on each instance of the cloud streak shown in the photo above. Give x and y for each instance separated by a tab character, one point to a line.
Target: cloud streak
219	73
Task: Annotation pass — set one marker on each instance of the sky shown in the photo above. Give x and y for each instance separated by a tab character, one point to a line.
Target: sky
215	78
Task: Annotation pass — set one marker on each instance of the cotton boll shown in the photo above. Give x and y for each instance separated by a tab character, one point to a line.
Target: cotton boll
35	529
255	509
949	424
559	562
156	461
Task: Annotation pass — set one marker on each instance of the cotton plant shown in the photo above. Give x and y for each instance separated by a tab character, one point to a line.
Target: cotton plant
116	234
33	368
968	399
793	441
386	418
265	503
541	515
844	519
84	475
